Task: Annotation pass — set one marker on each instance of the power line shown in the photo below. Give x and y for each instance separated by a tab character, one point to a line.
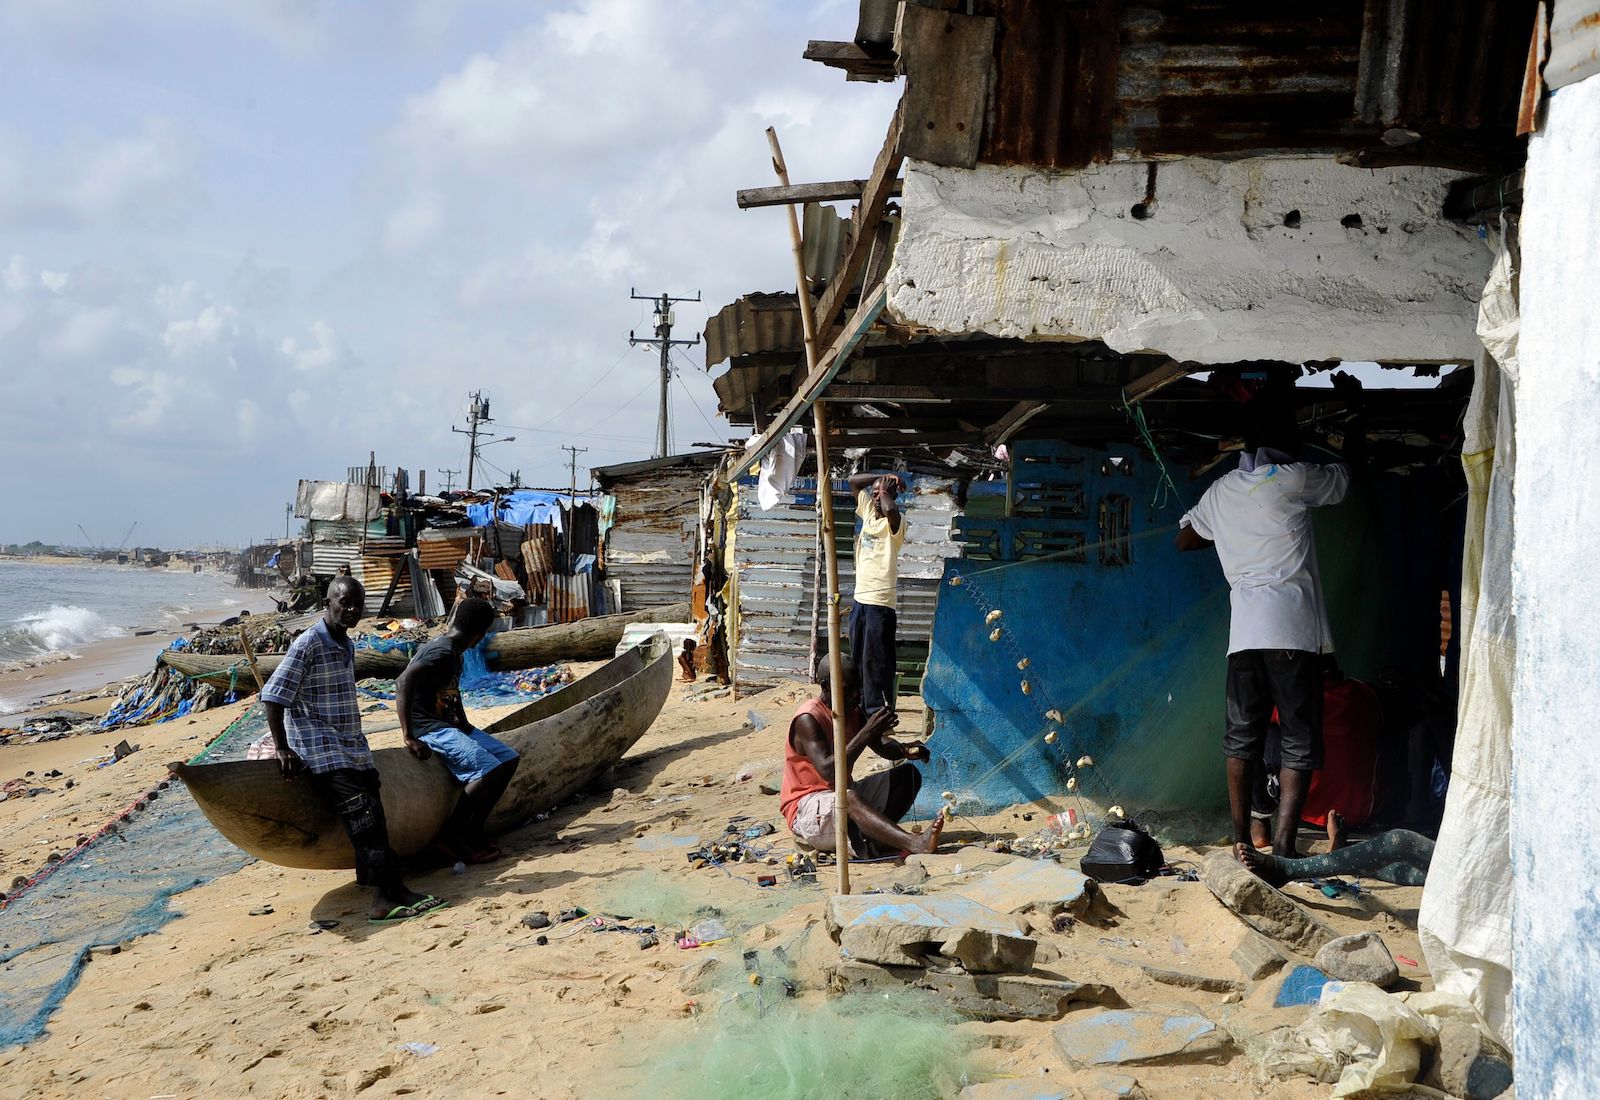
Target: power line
615	411
585	393
683	387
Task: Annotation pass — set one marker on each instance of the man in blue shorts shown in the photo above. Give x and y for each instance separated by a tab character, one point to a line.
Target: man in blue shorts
428	699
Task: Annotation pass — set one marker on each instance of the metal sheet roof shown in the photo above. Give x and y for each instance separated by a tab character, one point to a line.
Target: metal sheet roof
1574	43
1095	80
755	323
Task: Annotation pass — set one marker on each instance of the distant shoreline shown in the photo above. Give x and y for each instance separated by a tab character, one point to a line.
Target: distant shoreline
63	560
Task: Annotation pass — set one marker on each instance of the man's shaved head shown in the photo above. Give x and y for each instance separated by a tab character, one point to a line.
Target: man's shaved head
346	586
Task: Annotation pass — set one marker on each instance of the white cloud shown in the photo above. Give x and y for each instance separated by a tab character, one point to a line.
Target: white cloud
149	177
324	351
213	327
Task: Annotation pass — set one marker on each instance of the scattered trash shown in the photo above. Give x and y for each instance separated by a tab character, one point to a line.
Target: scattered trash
540	919
754	720
261	911
421	1050
460	868
317	927
542	940
1402	960
572	914
648	940
122	749
766	880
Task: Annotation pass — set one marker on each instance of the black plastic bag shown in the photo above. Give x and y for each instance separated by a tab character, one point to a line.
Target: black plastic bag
1123	852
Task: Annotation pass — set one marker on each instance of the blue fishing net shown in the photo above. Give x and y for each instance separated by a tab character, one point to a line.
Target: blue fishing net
110	891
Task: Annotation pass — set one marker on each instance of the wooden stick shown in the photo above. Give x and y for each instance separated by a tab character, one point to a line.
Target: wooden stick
841	763
250	657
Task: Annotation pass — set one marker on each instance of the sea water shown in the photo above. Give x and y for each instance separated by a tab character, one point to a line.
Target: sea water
50	612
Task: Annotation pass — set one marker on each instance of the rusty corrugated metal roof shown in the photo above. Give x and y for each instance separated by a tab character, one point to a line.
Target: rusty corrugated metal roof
754	324
1096	80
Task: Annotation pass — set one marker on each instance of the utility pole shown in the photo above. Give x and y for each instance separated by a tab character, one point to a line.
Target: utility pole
664	341
572	468
449	479
477	414
288	511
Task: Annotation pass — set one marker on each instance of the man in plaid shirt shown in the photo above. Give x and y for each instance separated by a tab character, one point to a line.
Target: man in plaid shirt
315	721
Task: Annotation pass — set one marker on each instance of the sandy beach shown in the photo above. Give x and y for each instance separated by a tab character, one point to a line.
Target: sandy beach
220	1003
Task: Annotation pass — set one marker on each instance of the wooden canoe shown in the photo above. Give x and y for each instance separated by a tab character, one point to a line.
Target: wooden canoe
567	739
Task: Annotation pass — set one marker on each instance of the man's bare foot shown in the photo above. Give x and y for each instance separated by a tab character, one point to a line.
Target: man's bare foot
1240	851
1336	837
929	841
1263	865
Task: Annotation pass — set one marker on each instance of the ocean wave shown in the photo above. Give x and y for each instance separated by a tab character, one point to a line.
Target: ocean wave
51	634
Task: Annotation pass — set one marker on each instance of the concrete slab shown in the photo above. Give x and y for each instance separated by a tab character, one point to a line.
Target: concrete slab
981	996
1267	910
1135	1037
1031	885
904	931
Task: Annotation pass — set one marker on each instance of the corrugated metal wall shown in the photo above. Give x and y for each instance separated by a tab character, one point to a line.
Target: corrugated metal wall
775	562
651	548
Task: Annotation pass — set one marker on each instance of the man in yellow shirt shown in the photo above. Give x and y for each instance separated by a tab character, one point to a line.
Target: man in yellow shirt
872	622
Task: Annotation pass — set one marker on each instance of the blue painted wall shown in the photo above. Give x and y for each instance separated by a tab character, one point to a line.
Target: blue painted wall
1134	655
1129	654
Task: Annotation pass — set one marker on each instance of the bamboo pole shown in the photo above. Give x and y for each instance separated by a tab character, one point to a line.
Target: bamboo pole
250	657
841	763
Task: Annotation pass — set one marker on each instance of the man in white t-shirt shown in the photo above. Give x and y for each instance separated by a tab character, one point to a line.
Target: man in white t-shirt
1258	518
877	568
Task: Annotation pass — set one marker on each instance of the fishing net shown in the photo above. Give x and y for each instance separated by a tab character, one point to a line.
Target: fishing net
760	1043
114	888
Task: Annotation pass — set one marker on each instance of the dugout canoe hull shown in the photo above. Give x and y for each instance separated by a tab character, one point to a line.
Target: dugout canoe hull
219	668
567	739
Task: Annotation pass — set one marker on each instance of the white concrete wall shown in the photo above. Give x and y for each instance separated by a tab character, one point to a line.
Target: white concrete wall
1213	275
1555	817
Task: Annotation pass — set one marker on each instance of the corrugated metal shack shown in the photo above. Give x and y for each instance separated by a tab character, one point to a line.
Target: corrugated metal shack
775	569
651	520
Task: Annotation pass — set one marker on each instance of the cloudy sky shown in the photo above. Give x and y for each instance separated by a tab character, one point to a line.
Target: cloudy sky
244	243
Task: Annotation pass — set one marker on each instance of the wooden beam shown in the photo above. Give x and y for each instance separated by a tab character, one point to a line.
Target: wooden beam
858	64
888	441
832	360
1014	418
1154	381
863	225
834	191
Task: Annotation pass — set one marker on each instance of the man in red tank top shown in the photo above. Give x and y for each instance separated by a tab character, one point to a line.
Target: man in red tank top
876	803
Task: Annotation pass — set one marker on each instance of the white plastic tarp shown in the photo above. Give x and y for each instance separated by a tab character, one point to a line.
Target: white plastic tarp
336	500
1465	923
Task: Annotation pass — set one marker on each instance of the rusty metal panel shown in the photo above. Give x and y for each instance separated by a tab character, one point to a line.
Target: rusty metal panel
1574	43
1055	82
755	323
376	573
775	562
952	55
443	551
327	558
569	596
1444	64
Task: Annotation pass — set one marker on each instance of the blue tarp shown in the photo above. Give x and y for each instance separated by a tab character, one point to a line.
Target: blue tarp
522	507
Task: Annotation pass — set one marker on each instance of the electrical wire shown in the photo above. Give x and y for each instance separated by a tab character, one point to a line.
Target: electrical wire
583	432
593	386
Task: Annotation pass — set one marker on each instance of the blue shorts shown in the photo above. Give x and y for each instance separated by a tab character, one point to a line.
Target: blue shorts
469	755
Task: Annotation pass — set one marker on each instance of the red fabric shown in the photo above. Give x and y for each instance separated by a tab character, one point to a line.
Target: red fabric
800	775
1348	782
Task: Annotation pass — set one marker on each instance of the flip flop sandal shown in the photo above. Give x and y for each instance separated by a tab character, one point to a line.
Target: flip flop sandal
429	904
396	915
